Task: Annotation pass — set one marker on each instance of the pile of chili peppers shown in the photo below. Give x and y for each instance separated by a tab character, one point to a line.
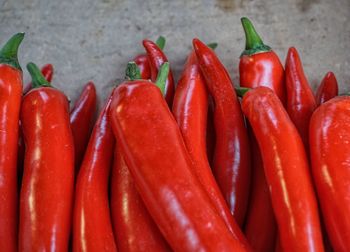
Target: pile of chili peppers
197	166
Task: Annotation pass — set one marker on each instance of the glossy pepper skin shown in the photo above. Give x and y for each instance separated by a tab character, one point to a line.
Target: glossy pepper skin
10	102
47	70
190	110
231	165
161	167
92	225
134	228
156	59
329	141
301	101
259	65
328	89
286	169
81	121
47	187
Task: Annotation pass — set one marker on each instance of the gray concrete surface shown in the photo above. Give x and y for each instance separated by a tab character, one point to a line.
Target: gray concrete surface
93	40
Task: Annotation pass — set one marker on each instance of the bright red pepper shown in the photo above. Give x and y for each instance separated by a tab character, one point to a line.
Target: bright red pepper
329	151
11	92
327	89
190	110
161	166
47	70
260	66
92	226
81	121
231	164
143	63
48	180
287	171
301	101
134	228
156	58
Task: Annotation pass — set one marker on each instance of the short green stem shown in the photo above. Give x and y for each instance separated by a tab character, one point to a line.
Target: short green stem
132	71
162	77
212	45
254	43
8	54
38	79
241	91
161	42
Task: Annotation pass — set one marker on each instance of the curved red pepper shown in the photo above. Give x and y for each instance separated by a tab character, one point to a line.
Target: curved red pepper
156	58
161	167
134	228
231	164
301	102
47	70
327	89
11	92
190	110
260	66
286	169
329	150
81	121
92	226
48	179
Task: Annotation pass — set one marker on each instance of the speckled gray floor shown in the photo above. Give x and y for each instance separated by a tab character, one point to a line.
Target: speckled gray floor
90	39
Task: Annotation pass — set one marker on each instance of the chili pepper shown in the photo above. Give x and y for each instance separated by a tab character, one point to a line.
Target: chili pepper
47	70
134	228
190	110
327	89
301	102
48	180
10	101
157	158
156	58
286	169
81	121
329	141
92	226
231	164
143	63
259	64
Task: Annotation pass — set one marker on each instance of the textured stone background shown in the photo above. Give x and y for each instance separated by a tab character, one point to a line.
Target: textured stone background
90	39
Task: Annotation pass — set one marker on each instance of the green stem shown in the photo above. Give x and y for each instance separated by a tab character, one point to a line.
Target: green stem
161	42
241	91
8	54
212	45
162	77
38	79
254	43
132	71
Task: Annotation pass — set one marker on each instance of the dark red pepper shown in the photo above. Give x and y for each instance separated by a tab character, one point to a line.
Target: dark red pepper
327	89
231	164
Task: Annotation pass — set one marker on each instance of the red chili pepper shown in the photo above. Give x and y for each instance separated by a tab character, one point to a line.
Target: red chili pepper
301	102
231	164
157	158
327	89
329	149
48	179
143	63
260	66
47	70
10	102
286	169
92	226
134	228
81	121
156	58
190	110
